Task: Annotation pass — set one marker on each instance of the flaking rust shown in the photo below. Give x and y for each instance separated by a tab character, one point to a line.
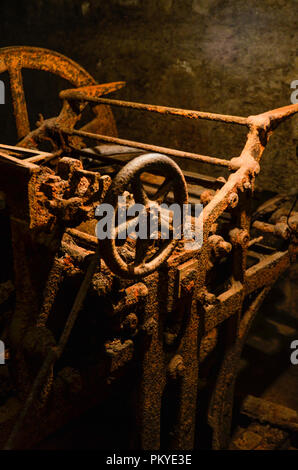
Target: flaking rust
161	319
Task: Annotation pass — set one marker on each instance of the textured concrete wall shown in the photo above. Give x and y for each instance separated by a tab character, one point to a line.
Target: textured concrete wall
236	57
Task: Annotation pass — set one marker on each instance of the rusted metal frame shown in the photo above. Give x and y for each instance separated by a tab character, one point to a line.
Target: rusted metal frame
267	271
156	373
91	91
19	101
54	352
248	168
149	148
15	176
264	226
23	152
184	433
191	177
221	405
254	147
222	199
44	59
13	59
50	128
184	113
254	241
56	276
260	276
69	115
226	305
44	158
240	236
84	239
271	119
13	162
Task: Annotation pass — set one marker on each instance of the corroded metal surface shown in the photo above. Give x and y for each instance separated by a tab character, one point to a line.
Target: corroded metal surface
144	263
176	327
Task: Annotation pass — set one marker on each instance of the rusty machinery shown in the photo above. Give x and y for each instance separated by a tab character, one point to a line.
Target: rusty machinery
88	313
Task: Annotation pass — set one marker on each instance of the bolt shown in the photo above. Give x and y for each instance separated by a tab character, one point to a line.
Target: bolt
149	326
169	338
282	230
247	185
239	236
206	197
219	246
176	367
130	323
233	200
206	298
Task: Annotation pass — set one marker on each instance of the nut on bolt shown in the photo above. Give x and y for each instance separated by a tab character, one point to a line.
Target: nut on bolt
247	185
206	196
149	326
282	230
239	236
293	223
130	323
233	200
176	367
219	246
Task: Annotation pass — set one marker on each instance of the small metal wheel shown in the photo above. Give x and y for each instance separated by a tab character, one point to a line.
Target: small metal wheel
14	59
143	256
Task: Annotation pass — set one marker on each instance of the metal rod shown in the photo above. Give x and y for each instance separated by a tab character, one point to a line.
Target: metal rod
55	352
45	157
191	177
151	148
185	113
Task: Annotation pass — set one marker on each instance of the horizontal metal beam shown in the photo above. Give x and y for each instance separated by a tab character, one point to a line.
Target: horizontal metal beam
184	113
151	148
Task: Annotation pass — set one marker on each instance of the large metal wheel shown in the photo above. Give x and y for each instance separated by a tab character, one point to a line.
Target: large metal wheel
14	59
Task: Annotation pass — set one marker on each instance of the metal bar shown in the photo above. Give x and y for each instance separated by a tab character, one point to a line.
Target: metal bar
21	152
277	115
185	113
46	157
269	412
93	91
254	241
191	177
151	148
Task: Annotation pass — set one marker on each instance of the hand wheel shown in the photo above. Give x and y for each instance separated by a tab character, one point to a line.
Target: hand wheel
148	254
